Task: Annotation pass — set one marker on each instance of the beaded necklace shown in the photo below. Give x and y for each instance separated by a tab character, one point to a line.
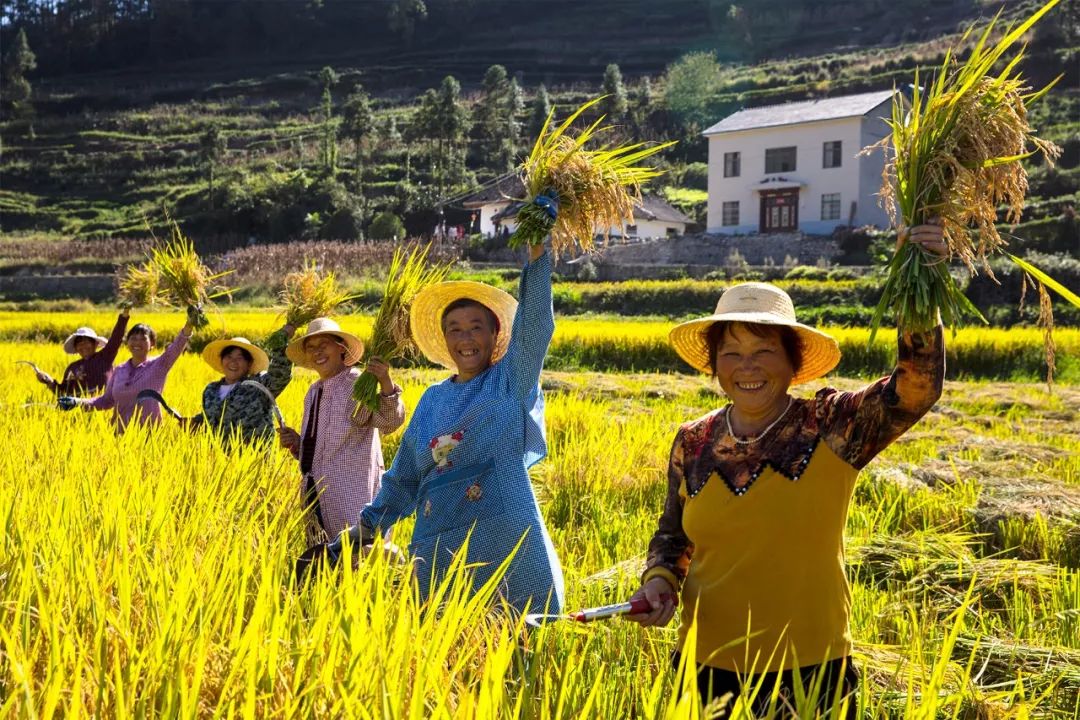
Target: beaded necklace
751	441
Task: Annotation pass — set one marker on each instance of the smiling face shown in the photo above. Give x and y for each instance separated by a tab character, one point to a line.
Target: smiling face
755	371
326	353
236	363
85	347
470	337
140	345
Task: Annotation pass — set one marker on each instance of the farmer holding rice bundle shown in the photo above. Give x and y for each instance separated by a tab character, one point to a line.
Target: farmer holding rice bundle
463	463
91	372
338	444
751	533
231	404
141	372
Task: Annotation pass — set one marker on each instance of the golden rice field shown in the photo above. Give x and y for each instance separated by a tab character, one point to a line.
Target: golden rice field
146	575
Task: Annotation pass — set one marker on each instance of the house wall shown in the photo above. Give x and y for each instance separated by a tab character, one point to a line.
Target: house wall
874	129
488	211
809	138
651	229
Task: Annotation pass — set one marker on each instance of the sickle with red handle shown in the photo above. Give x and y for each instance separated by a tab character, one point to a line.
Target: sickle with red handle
634	607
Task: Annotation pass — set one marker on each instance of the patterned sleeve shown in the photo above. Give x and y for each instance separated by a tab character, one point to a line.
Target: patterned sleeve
166	360
534	324
398	490
670	549
859	425
279	374
388	418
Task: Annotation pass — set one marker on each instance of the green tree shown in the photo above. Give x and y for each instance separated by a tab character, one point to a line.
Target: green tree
403	16
328	141
17	96
614	105
386	226
358	124
541	108
691	85
443	121
212	147
496	119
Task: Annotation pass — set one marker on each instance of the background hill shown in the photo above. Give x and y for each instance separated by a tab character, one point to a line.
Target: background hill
216	110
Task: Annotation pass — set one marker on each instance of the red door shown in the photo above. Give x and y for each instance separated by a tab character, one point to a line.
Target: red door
780	211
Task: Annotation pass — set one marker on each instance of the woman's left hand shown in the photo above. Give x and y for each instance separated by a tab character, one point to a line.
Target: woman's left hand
661	596
930	237
381	370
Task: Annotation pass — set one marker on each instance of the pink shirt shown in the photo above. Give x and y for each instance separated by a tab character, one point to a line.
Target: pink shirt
128	379
348	460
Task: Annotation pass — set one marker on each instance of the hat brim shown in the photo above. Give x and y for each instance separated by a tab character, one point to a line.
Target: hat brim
354	348
260	361
69	344
821	353
425	317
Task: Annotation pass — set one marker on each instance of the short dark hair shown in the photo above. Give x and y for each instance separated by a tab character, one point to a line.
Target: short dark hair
793	344
243	351
142	329
493	319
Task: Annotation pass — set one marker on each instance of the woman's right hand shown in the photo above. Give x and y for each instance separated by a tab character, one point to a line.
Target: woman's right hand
661	596
289	439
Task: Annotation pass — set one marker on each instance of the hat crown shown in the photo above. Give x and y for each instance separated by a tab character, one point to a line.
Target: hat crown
85	331
322	325
756	299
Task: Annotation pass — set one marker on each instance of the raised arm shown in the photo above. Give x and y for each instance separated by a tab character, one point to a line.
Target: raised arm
279	374
172	352
534	321
859	425
116	338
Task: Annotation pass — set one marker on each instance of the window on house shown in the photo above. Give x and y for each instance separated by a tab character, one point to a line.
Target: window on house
631	231
731	164
832	152
672	232
780	160
730	213
830	206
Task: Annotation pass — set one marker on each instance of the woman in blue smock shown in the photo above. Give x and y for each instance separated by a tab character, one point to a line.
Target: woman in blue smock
462	466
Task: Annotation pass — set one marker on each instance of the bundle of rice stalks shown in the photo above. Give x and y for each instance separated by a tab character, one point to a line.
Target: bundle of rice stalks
308	295
391	338
175	276
998	661
957	151
138	285
594	190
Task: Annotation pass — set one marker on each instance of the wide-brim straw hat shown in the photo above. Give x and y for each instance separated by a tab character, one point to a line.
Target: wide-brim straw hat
260	361
425	317
83	332
325	326
763	304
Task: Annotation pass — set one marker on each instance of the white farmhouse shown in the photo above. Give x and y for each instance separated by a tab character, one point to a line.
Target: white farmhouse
498	206
796	167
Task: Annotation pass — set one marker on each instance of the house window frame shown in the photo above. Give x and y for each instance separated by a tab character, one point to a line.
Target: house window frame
774	159
833	202
832	151
733	164
726	208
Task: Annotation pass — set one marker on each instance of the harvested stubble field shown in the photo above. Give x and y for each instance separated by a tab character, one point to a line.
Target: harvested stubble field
144	575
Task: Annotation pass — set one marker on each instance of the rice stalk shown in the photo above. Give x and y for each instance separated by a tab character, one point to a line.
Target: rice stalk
957	151
174	275
307	295
391	338
595	189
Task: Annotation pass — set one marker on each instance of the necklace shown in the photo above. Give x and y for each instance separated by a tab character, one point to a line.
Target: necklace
750	441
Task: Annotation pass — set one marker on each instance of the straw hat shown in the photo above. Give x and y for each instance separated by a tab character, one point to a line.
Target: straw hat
425	317
325	326
757	303
260	361
83	332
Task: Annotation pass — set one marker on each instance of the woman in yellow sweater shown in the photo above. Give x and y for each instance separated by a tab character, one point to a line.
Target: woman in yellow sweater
751	535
